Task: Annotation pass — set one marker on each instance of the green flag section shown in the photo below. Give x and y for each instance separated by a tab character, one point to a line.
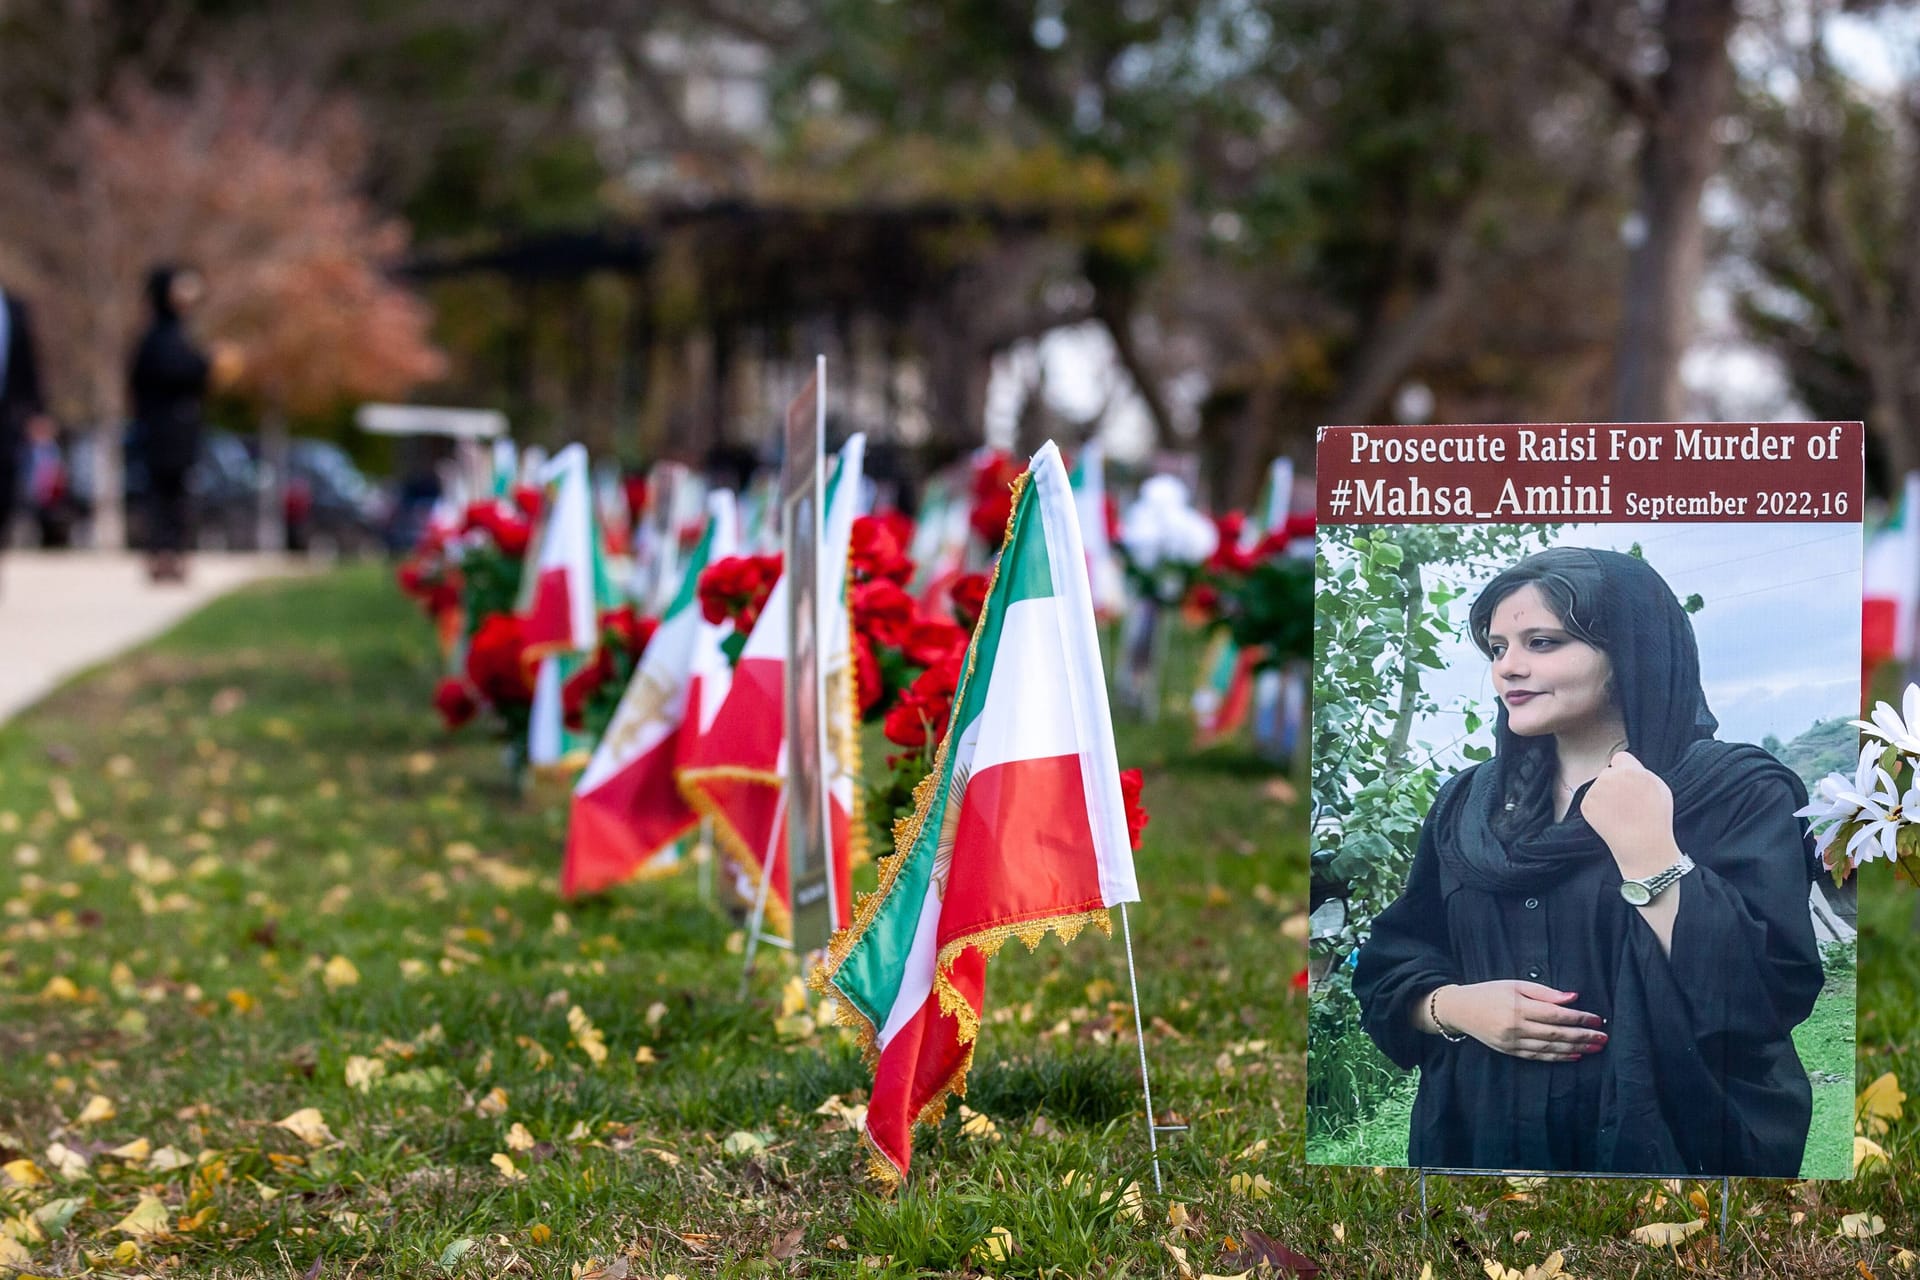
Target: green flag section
1020	829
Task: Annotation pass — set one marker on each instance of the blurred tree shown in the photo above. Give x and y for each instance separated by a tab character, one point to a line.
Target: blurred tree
1828	244
1666	63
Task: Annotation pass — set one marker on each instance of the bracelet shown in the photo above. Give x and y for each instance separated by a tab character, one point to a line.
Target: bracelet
1433	1012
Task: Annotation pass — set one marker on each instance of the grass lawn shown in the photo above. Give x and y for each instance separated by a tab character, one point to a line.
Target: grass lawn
244	875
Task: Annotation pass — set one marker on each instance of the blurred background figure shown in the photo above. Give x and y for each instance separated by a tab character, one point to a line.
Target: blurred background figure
51	497
21	407
168	385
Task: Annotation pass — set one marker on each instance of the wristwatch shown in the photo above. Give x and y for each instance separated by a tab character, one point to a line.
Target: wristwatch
1640	892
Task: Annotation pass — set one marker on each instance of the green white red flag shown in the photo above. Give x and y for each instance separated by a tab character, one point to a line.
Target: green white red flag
736	770
561	584
1019	829
627	807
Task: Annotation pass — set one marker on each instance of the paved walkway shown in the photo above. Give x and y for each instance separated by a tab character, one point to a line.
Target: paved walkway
62	612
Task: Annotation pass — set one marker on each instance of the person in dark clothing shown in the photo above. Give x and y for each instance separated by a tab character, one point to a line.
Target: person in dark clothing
21	406
168	384
1604	943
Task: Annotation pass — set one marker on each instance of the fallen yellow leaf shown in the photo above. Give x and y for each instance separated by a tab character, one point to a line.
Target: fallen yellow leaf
997	1246
1859	1226
644	1055
361	1072
1179	1259
339	972
793	997
308	1125
67	1162
1663	1234
540	1233
24	1173
1905	1259
794	1026
1253	1185
149	1218
1878	1105
1866	1153
60	987
98	1110
504	1163
494	1104
240	1000
13	1254
518	1139
742	1143
135	1152
167	1159
976	1126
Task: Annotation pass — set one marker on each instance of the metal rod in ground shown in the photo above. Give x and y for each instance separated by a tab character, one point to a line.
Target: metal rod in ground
1726	1190
703	854
754	921
1423	1205
1140	1037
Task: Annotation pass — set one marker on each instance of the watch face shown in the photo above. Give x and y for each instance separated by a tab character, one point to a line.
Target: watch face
1636	893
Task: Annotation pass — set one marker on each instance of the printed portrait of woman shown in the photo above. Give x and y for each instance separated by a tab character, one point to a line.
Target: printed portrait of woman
1604	943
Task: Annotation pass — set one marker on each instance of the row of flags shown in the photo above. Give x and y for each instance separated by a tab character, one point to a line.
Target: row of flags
1020	828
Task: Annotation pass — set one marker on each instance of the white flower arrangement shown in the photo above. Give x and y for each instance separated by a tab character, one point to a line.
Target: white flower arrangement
1876	812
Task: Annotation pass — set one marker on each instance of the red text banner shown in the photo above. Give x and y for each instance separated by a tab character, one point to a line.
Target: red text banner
1592	472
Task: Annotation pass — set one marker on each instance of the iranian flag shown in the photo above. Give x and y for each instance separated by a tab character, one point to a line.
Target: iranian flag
1891	589
557	586
1020	829
736	770
627	807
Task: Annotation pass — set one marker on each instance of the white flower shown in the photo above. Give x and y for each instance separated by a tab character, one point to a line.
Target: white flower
1898	730
1870	794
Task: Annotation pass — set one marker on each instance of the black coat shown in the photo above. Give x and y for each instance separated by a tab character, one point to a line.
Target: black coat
169	390
20	397
1700	1059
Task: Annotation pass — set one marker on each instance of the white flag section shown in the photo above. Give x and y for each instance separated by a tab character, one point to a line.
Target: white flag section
627	807
557	585
1089	482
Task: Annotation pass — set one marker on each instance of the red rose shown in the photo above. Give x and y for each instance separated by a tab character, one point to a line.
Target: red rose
882	611
580	688
529	500
410	578
509	532
1300	980
929	644
496	663
866	675
1227	556
455	702
993	498
737	587
628	630
876	551
922	713
444	594
969	598
1130	784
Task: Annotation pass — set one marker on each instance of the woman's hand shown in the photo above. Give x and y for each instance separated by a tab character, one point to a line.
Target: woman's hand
1523	1019
1631	808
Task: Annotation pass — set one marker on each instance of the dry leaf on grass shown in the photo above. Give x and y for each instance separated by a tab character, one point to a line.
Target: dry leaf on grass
493	1104
1878	1105
788	1245
308	1125
99	1109
1860	1226
508	1170
1868	1154
997	1246
24	1173
1545	1270
339	973
1663	1234
1258	1250
518	1138
149	1218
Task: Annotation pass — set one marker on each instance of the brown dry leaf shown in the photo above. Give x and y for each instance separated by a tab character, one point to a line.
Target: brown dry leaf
1664	1234
788	1245
308	1125
149	1218
1260	1253
1860	1226
1878	1105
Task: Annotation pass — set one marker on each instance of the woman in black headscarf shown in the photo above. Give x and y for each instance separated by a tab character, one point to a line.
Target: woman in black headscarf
1604	943
168	384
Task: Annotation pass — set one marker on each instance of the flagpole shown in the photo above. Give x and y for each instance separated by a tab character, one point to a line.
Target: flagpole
759	916
1140	1038
703	855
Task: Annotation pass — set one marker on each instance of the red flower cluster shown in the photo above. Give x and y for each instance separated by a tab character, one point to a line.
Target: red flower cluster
920	716
582	685
1227	556
455	702
626	629
737	588
969	598
496	661
509	530
870	684
882	611
1130	783
993	497
932	643
877	550
435	584
529	500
